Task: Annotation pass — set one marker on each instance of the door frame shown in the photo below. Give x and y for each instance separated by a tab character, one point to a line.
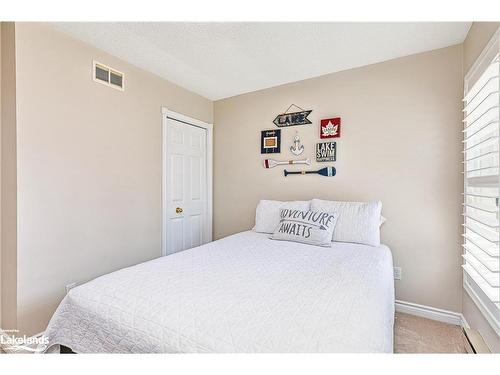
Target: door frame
189	121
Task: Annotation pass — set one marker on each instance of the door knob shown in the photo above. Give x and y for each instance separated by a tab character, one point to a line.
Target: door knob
178	210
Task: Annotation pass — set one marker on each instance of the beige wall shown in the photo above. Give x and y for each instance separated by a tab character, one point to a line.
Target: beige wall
477	38
89	167
401	143
8	243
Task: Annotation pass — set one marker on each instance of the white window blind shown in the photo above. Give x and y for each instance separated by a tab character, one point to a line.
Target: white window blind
482	183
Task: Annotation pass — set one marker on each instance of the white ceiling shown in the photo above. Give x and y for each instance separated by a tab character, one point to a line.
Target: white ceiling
219	60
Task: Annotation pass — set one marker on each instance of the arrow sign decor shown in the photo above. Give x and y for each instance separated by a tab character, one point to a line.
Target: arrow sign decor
292	119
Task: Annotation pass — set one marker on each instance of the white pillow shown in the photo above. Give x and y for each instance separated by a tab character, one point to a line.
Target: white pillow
357	222
267	214
309	227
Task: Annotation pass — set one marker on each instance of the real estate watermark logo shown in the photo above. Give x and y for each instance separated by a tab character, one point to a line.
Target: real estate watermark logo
11	343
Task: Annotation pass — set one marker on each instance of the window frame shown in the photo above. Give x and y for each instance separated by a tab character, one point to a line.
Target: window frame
484	304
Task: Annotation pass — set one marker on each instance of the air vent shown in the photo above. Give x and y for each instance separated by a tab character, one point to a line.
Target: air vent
108	76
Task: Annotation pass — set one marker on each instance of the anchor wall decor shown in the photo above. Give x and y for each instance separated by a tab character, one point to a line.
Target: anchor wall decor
297	148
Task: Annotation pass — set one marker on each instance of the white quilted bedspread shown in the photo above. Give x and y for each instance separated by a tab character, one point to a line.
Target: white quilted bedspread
243	293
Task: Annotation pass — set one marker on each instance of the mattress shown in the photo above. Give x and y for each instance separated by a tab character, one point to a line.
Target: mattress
243	293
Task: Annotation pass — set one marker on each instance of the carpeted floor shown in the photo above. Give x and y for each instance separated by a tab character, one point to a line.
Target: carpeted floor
413	334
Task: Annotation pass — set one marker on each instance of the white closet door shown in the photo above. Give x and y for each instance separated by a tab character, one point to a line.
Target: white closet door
186	186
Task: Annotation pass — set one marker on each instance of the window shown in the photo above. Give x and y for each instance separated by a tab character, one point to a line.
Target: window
107	76
482	183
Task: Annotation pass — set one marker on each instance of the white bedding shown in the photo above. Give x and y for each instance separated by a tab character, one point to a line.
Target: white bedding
243	293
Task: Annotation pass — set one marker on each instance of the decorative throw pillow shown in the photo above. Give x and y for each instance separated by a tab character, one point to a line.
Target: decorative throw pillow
267	214
310	227
357	222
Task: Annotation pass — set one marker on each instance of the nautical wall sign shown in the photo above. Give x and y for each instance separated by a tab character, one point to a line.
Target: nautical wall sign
292	119
326	151
270	141
297	148
330	128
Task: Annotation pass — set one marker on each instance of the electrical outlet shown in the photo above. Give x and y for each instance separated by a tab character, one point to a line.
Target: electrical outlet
70	286
398	272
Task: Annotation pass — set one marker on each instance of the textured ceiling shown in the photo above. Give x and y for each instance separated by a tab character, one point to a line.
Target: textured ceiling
219	60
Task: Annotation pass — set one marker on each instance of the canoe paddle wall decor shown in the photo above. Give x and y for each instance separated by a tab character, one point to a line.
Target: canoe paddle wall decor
327	172
270	141
270	163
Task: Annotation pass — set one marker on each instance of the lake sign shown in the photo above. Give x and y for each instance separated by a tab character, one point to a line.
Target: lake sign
292	119
326	151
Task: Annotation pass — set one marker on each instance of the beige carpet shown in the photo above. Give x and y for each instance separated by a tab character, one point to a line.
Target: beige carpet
413	334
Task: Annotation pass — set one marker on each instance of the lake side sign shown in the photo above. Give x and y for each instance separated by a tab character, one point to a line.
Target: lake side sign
270	141
292	119
326	151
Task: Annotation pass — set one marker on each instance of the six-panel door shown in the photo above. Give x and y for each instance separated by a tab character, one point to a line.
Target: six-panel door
186	186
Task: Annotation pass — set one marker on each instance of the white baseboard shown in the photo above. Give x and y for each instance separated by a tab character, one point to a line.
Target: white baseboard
465	324
433	313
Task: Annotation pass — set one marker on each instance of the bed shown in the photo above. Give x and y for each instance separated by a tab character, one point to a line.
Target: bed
243	293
